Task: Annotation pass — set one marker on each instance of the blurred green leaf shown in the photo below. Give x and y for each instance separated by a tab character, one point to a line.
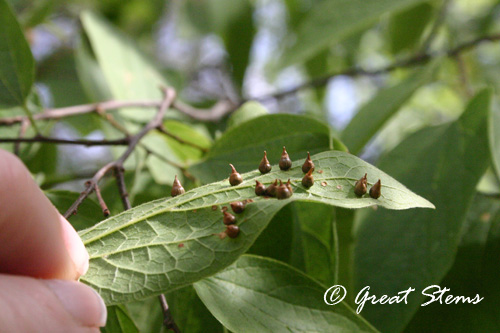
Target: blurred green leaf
169	243
232	21
247	111
406	28
318	240
119	321
59	74
494	136
130	76
279	248
37	13
148	315
90	74
416	248
238	37
331	21
189	312
262	294
375	113
89	212
17	69
246	144
475	271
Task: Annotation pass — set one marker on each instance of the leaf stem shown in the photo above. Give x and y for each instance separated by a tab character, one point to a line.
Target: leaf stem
30	117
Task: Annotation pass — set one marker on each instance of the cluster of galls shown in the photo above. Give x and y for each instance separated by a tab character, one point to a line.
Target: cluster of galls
232	230
360	188
283	190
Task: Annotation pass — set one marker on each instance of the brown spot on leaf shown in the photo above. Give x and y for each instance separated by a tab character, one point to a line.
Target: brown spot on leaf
181	245
214	207
485	217
324	183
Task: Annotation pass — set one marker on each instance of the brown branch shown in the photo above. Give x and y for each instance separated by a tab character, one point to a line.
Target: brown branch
80	109
163	130
103	205
464	78
356	71
168	321
120	181
22	131
133	142
84	142
215	113
219	110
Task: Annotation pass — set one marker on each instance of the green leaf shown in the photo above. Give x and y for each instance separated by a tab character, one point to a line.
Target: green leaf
318	240
331	21
494	136
259	294
189	312
17	69
89	212
90	74
247	111
270	246
59	74
37	13
375	113
246	143
130	76
475	271
231	20
169	243
119	321
406	28
147	314
415	249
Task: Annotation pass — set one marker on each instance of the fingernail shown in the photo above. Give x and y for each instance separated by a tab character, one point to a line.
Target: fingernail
82	302
75	247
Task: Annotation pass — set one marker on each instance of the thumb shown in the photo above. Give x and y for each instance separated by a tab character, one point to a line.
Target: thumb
35	305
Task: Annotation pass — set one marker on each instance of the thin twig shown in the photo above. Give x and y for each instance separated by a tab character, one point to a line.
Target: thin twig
355	71
120	181
219	110
215	113
464	78
81	109
59	141
133	142
103	205
22	131
163	130
168	321
111	120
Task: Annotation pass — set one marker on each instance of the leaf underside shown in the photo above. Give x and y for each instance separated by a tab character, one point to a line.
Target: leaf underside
170	243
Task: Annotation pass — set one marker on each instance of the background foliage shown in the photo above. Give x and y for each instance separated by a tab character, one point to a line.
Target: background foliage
409	86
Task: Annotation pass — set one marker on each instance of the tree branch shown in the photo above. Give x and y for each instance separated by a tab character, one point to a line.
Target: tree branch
134	141
356	71
120	181
83	142
163	130
215	113
80	109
